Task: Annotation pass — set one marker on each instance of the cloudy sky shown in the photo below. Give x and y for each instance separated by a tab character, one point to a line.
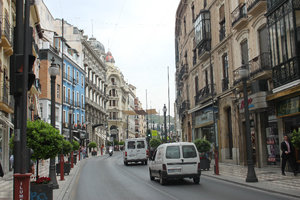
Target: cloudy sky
140	35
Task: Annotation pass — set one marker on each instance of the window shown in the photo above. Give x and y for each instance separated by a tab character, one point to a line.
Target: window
131	145
196	84
73	97
82	81
64	116
193	13
204	3
77	98
41	108
64	93
225	65
58	91
69	73
184	24
82	103
189	151
77	77
56	113
173	152
244	49
73	118
140	145
112	81
69	96
78	119
222	23
202	27
82	119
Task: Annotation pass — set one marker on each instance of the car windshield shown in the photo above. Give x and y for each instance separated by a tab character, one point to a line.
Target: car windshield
140	144
131	145
189	151
173	152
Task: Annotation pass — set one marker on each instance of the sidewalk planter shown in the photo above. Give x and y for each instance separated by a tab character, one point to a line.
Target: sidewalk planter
67	168
75	159
204	163
41	191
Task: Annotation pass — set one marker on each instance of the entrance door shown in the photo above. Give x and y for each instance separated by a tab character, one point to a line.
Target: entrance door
229	125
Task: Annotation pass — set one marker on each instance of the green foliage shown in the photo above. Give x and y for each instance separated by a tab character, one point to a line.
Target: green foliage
295	138
121	142
92	145
75	145
67	147
11	142
109	143
116	142
154	143
202	145
43	139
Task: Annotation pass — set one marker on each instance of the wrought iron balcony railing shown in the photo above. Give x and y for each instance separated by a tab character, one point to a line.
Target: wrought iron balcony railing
239	13
252	3
206	92
260	63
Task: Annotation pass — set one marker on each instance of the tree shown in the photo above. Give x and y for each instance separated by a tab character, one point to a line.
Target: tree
43	139
116	142
154	143
67	147
202	145
75	145
121	142
92	145
295	138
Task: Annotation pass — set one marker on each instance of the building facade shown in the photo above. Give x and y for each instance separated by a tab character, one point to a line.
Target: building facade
214	41
95	90
121	97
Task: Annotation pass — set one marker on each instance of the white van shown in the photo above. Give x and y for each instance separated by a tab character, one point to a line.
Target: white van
136	150
175	161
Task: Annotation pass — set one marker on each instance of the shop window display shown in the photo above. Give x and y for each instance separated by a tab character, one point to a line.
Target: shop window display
273	151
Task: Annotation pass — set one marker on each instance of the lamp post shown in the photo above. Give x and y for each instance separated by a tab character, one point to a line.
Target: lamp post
53	71
165	121
251	176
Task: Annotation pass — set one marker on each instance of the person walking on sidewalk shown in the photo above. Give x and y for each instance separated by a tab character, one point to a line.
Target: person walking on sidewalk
287	155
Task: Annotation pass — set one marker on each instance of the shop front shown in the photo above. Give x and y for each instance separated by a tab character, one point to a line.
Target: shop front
288	112
263	130
204	124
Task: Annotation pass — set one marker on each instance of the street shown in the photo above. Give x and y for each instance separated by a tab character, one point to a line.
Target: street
107	178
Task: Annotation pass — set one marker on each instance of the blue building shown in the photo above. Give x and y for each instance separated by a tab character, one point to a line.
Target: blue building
74	96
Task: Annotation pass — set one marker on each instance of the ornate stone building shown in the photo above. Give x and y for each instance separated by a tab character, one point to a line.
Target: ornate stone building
95	90
214	40
121	99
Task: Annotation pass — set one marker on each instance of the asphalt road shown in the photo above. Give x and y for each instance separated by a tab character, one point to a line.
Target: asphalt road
107	178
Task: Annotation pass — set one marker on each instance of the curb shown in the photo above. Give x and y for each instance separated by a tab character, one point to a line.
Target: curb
251	186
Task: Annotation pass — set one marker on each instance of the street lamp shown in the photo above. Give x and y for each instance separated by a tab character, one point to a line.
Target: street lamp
53	71
165	120
251	176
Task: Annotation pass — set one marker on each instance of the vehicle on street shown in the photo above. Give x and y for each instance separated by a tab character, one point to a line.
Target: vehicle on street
175	161
136	150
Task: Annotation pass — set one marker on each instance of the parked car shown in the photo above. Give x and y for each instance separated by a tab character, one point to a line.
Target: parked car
175	161
136	150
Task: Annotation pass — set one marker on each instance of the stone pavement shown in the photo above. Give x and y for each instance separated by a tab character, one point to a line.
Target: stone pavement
269	178
6	183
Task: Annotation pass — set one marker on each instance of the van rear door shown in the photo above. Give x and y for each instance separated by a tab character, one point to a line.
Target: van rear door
173	161
190	159
131	150
141	153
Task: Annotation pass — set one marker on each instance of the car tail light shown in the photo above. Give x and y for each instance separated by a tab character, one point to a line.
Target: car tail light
125	153
164	167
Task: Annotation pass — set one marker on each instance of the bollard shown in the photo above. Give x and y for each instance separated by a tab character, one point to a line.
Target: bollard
62	173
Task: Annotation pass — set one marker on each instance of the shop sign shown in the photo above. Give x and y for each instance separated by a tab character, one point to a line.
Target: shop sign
204	117
255	101
288	106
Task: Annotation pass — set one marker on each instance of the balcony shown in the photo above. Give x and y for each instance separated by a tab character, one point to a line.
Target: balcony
114	119
286	72
239	17
256	7
68	77
6	36
182	73
225	84
5	105
184	106
236	74
203	94
260	66
273	4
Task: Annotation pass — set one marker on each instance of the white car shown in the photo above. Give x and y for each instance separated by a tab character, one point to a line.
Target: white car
136	150
175	161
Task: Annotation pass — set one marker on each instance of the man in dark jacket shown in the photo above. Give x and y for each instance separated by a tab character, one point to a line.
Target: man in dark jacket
287	155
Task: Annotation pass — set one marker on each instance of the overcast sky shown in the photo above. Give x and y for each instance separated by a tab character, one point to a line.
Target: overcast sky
140	35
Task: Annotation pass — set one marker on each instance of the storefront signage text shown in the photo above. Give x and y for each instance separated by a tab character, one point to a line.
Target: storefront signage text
288	107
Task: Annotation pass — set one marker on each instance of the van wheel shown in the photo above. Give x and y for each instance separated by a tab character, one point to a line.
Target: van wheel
151	177
162	180
196	180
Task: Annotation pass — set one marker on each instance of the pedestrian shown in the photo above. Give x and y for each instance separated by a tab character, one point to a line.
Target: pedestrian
1	171
287	155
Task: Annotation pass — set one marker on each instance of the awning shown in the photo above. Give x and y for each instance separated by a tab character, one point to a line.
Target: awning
283	93
76	138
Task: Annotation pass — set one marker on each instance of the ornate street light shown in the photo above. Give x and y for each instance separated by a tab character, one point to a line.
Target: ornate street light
165	121
53	71
251	176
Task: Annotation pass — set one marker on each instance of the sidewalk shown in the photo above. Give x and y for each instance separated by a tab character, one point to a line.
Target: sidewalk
269	178
6	183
